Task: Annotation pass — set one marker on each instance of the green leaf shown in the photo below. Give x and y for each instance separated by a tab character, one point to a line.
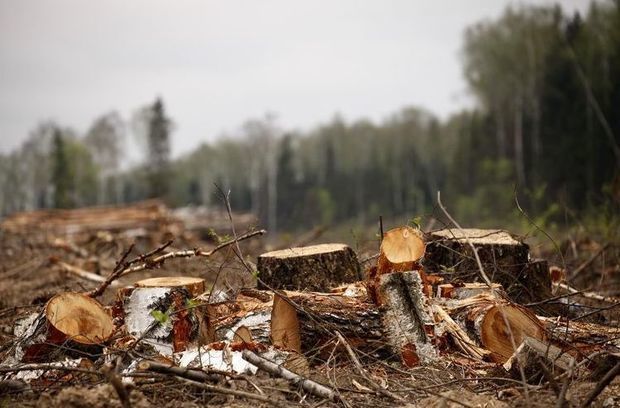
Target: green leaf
161	317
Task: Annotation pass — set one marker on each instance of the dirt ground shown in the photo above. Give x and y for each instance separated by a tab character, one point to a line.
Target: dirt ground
29	276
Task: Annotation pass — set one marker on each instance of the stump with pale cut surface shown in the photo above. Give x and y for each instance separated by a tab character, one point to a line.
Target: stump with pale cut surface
71	323
504	259
317	267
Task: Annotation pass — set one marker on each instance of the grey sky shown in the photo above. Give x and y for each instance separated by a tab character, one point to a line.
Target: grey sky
217	64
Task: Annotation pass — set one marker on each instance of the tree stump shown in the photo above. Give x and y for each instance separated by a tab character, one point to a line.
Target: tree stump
317	267
408	322
71	323
160	312
401	250
505	261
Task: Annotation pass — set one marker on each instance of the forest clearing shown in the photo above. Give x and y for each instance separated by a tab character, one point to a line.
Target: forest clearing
130	306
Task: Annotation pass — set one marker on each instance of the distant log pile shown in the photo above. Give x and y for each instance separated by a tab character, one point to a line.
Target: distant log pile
145	215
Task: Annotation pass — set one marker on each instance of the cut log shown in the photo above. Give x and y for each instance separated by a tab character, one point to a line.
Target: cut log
505	260
409	325
496	324
529	355
285	332
322	314
401	250
71	322
318	267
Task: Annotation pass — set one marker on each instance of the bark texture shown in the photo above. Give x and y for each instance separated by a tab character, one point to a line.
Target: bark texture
318	267
504	259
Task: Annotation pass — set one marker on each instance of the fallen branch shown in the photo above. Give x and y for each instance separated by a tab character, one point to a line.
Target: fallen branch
360	370
587	263
307	385
600	386
79	272
187	253
228	391
188	373
116	382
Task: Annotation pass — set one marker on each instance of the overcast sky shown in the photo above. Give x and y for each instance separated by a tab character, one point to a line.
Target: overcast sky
219	63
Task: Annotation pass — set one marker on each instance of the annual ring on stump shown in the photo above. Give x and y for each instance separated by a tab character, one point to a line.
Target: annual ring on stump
496	336
402	245
79	317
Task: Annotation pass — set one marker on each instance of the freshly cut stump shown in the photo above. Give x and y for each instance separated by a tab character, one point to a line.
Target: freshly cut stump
401	250
497	324
77	322
317	267
160	312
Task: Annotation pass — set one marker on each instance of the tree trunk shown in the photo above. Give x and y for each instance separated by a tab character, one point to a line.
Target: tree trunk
409	325
496	324
320	315
318	267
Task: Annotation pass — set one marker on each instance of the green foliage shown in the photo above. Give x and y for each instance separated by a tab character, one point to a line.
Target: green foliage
160	316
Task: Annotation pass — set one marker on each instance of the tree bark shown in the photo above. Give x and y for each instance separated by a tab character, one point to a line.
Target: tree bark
318	267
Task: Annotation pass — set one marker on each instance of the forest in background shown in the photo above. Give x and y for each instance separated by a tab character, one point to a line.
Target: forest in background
546	127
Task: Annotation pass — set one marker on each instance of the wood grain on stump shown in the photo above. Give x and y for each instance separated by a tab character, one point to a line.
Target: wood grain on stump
317	267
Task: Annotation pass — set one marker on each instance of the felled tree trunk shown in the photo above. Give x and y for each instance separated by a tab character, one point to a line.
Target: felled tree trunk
531	353
160	312
407	318
505	261
317	267
71	324
321	314
496	324
401	250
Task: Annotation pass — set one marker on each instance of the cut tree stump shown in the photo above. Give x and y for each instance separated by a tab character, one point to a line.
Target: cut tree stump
401	250
71	324
160	312
407	317
505	261
317	267
320	315
496	324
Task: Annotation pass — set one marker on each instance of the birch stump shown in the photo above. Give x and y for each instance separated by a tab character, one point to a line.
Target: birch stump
317	267
160	312
407	318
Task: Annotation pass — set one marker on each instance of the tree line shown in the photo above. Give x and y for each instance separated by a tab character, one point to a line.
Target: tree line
545	128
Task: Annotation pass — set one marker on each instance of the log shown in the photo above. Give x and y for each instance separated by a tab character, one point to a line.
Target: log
409	325
401	250
317	267
160	312
320	315
71	322
504	259
496	324
531	352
